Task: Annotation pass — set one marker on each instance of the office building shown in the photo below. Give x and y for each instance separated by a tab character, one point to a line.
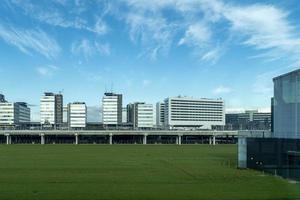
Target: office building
124	115
12	114
249	120
112	109
160	114
51	109
77	115
140	115
2	98
59	109
191	112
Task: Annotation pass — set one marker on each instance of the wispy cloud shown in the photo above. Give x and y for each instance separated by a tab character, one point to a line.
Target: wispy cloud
30	40
221	90
47	70
88	49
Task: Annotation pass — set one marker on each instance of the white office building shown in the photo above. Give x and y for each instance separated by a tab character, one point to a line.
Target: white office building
140	115
160	114
192	112
112	109
77	115
14	113
51	109
143	115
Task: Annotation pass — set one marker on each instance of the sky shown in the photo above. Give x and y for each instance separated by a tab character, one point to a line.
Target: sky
147	50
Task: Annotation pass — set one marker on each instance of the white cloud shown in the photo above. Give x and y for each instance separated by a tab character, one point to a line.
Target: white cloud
88	49
47	70
265	27
28	40
222	90
146	83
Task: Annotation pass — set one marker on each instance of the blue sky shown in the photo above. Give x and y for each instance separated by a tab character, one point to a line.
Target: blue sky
147	50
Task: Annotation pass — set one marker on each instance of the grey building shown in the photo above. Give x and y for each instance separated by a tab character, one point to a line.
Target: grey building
140	115
280	154
51	109
249	120
112	109
287	105
14	113
160	114
2	98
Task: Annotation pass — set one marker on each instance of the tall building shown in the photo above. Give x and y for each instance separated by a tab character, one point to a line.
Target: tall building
51	109
160	114
59	109
191	112
287	105
14	113
112	109
2	98
77	115
124	115
140	115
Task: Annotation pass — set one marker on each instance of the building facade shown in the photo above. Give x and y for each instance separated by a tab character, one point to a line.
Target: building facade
160	114
192	112
140	115
12	114
51	109
287	105
77	115
112	109
249	120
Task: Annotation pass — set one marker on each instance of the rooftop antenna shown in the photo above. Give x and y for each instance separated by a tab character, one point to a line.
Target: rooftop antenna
112	87
61	91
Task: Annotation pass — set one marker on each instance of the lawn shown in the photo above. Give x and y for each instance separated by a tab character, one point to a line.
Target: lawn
133	172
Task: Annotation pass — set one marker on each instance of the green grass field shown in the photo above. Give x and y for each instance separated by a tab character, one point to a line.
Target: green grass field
133	172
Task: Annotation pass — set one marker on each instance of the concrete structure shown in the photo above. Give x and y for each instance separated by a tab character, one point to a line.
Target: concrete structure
160	114
111	136
287	105
77	115
192	112
51	109
112	109
280	154
12	114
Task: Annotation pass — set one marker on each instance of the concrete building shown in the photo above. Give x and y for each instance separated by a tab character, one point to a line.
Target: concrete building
51	109
249	120
140	115
191	112
287	105
160	114
13	114
112	109
77	115
280	154
124	115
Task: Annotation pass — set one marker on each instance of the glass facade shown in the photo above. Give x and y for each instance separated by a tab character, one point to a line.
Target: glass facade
287	105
